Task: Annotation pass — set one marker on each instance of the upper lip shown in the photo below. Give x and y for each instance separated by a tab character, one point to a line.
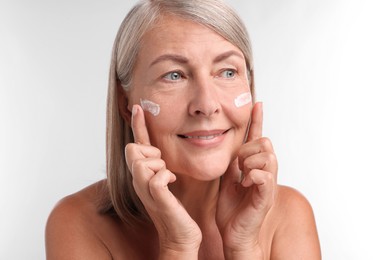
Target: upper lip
203	133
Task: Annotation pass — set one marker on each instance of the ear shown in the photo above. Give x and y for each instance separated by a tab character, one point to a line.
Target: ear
123	104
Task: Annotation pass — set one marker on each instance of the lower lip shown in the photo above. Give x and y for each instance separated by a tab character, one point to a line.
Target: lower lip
206	143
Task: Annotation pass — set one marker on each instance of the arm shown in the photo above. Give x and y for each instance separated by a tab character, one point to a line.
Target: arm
69	234
243	206
296	235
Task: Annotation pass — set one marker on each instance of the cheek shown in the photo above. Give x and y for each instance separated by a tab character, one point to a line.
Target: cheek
163	117
240	116
238	106
164	123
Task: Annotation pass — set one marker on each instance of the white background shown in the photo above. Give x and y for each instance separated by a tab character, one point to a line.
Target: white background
322	71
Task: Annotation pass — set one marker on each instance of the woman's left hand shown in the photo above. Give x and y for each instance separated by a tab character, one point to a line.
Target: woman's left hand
244	204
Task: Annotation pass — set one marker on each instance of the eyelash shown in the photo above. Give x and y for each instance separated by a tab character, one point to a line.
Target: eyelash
229	70
166	76
181	74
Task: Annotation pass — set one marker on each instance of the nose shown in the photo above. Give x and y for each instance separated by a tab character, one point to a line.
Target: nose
204	98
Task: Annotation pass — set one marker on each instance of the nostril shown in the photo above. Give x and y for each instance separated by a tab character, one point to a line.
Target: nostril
204	104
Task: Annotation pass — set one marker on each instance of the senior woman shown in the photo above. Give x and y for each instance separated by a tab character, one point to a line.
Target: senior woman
189	175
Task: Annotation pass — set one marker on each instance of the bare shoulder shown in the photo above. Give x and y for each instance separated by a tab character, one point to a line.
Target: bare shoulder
71	229
76	229
296	234
290	199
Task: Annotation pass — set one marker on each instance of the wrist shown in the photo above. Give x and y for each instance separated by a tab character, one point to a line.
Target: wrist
186	250
182	245
172	254
244	253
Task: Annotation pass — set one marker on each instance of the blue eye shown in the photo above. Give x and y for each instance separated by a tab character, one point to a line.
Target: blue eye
229	73
173	76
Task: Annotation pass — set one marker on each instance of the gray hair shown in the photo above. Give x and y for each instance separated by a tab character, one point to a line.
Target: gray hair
121	198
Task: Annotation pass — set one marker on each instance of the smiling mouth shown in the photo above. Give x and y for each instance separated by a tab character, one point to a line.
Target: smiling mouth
203	137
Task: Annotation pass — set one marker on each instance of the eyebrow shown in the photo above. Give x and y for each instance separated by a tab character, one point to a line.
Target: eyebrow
226	55
184	60
171	57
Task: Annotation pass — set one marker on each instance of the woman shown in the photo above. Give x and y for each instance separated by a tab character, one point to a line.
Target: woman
189	175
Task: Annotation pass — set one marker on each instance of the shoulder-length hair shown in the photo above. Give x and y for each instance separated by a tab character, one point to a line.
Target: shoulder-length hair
120	198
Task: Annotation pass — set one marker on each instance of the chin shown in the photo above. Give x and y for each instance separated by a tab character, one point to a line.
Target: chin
202	170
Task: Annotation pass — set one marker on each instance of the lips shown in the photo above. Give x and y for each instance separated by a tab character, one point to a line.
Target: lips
203	135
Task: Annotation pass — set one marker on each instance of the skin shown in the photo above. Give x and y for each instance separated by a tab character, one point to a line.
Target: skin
194	75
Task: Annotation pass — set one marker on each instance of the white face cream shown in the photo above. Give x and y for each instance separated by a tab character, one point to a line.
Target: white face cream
243	99
150	106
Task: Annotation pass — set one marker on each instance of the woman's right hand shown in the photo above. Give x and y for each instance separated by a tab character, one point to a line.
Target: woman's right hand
179	234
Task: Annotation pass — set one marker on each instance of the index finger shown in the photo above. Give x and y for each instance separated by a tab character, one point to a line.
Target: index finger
256	126
138	125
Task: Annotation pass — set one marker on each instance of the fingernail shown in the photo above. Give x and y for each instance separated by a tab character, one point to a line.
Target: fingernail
134	110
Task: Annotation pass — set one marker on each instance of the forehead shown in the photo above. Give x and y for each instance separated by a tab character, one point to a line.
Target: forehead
176	24
174	33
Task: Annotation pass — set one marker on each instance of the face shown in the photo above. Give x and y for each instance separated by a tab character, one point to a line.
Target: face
196	77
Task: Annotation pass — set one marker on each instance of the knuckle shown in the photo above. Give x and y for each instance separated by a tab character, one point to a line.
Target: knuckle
136	165
157	164
265	177
265	141
271	157
268	177
158	153
162	164
246	164
156	183
130	149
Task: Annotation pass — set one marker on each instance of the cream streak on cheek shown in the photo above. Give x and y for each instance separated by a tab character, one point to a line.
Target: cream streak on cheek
243	99
150	106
